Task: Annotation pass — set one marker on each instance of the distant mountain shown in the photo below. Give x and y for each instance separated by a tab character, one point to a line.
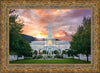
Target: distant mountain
57	39
28	38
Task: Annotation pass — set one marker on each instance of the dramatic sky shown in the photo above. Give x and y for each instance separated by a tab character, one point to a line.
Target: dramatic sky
64	22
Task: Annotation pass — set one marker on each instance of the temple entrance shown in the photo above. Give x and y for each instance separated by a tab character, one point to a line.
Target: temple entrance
49	52
40	51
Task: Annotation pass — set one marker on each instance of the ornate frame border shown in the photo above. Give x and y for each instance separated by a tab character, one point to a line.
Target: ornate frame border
93	67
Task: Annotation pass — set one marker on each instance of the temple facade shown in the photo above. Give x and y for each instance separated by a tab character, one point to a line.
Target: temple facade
50	44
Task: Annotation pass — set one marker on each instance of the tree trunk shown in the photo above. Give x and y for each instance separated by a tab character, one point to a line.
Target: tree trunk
87	56
79	56
17	57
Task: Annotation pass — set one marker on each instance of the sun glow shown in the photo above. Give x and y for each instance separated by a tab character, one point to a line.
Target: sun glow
40	35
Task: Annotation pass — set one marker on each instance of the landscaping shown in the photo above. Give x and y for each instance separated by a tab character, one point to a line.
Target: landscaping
54	61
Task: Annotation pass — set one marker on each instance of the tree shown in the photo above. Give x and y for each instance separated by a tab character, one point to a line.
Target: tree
44	51
64	52
25	48
56	52
14	31
35	52
17	43
82	39
69	52
11	11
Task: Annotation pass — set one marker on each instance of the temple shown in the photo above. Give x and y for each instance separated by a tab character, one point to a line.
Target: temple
50	44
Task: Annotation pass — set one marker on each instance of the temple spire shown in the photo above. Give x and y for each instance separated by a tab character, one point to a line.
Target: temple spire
50	31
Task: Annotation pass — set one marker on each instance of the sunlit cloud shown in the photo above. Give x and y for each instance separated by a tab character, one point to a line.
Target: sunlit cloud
64	22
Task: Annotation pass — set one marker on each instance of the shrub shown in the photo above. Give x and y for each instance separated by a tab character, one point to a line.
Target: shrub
34	57
58	56
49	56
39	57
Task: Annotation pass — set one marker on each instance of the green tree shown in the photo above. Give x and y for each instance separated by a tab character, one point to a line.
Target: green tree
35	52
17	43
14	31
69	52
56	52
26	49
64	52
11	11
82	39
44	51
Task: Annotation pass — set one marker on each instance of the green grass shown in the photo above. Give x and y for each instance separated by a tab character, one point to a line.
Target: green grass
62	61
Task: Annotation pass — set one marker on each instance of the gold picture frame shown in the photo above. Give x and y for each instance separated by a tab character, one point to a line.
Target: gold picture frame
6	5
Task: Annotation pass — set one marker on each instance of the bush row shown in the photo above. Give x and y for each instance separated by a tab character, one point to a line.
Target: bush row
40	57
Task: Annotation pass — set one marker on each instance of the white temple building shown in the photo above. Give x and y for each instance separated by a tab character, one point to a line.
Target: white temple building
50	44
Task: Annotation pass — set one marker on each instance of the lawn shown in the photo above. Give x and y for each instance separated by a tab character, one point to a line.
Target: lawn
61	61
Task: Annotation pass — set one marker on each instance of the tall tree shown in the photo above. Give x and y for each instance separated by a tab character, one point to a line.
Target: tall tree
81	41
14	32
17	43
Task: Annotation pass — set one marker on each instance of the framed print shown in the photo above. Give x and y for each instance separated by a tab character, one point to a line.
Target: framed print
49	36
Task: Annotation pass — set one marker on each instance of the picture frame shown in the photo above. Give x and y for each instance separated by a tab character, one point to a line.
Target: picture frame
72	4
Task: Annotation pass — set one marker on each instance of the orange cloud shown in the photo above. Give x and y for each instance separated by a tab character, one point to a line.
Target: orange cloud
40	34
46	12
55	12
60	34
36	22
66	10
